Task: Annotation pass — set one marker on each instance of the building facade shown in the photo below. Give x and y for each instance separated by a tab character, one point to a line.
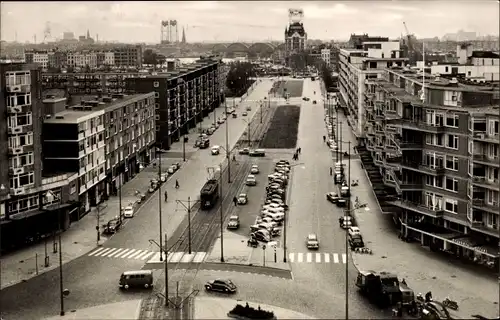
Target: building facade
326	56
25	209
182	97
99	140
357	65
128	56
438	147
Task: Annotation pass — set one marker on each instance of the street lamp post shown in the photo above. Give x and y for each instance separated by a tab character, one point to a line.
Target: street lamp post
227	148
120	192
284	223
221	218
49	197
165	265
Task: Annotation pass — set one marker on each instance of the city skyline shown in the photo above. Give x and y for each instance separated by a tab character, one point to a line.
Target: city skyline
209	21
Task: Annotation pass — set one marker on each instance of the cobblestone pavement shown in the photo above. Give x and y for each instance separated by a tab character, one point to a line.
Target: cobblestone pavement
423	270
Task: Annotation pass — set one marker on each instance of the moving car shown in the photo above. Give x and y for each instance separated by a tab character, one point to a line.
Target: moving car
244	151
140	278
251	181
249	108
242	199
254	169
234	223
215	150
314	102
312	241
244	113
306	99
261	235
344	191
226	286
128	212
204	144
332	197
353	230
220	121
258	153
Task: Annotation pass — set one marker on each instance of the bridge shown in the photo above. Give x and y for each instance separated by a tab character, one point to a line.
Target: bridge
261	49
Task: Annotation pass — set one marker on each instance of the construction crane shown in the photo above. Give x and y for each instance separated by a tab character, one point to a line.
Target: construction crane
414	53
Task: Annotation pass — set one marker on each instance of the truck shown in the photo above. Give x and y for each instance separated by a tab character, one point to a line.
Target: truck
383	288
209	194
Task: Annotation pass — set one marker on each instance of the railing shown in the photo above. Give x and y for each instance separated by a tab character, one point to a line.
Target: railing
485	158
431	211
485	181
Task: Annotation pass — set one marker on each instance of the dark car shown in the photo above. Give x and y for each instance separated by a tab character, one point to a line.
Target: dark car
356	241
226	286
112	226
314	102
257	153
204	144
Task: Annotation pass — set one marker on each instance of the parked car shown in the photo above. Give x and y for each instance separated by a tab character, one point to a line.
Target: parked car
112	226
312	241
244	113
332	197
314	102
249	108
128	212
353	230
244	151
258	153
345	222
226	286
172	169
254	169
356	241
163	177
234	223
242	199
261	235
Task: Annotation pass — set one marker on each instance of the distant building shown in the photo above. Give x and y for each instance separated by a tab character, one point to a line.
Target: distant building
68	36
325	56
128	56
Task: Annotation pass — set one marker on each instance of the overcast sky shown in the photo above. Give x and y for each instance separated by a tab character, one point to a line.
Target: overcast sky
246	20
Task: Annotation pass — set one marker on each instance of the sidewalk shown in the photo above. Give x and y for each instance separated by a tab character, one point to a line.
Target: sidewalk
81	237
422	270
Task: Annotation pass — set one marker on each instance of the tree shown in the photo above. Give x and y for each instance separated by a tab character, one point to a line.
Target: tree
300	60
326	75
237	77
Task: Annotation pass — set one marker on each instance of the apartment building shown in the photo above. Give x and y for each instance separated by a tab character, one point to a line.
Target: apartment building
182	97
436	142
357	65
472	65
99	140
26	211
325	56
128	56
88	83
40	57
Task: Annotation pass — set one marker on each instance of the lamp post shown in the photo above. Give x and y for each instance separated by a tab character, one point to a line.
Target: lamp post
49	197
346	215
227	148
165	265
219	171
159	151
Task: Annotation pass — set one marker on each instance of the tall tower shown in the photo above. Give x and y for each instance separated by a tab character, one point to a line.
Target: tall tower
183	35
88	34
46	31
174	34
164	32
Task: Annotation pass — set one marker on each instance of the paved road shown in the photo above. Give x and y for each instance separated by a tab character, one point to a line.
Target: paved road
93	279
311	213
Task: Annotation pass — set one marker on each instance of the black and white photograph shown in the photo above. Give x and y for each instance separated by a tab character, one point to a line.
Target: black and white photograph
249	160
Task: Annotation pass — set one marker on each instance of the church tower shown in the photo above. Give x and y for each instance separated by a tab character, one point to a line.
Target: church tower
183	36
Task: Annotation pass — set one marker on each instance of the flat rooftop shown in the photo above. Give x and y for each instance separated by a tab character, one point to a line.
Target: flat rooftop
72	116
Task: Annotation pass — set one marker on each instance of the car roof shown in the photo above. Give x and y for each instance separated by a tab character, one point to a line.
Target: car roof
312	235
243	194
255	165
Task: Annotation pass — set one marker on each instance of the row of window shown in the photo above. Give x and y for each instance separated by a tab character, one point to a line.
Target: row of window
492	125
439	119
21	140
22	180
449	141
15	100
21	160
437	202
19	119
438	160
15	78
448	184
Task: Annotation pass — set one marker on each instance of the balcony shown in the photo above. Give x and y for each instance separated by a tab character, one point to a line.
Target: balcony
370	147
411	145
422	168
16	151
485	137
17	170
486	183
391	115
18	109
421	126
379	117
20	129
481	227
378	147
420	208
391	129
378	162
484	205
485	159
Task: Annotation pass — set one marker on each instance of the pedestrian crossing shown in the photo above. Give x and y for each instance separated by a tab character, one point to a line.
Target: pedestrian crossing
317	257
148	256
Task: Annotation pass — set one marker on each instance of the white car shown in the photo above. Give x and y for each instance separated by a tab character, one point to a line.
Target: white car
254	169
251	181
242	199
353	230
128	212
312	241
215	150
163	177
277	207
171	170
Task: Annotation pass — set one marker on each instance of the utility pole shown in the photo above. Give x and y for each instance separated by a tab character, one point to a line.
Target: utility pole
347	236
227	148
337	127
188	206
221	219
120	191
166	269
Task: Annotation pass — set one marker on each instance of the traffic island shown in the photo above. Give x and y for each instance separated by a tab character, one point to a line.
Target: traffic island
222	308
247	312
239	257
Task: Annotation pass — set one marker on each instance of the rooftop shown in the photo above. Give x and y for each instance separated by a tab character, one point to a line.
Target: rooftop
89	109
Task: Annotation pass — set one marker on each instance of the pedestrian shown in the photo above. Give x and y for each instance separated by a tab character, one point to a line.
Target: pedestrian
331	171
235	200
176	184
324	139
300	150
166	196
